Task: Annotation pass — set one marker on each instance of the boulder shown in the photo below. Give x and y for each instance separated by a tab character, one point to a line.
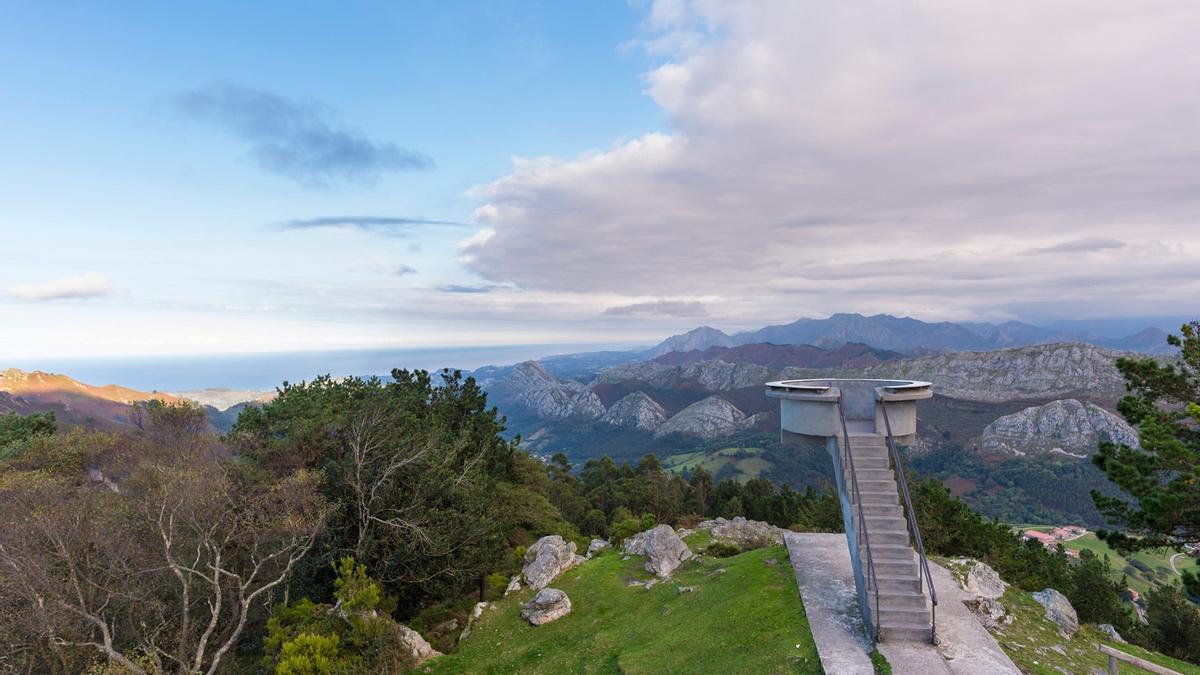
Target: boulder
514	585
984	582
1109	630
746	534
548	605
1058	610
989	611
549	557
664	550
414	646
476	612
596	546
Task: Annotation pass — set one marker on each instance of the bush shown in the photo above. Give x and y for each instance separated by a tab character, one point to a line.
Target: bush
722	549
688	521
625	529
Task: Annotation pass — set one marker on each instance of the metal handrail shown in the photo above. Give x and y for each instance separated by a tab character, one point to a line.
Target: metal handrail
862	521
912	522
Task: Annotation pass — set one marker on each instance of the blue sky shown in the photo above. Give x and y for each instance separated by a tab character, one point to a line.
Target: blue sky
609	171
105	175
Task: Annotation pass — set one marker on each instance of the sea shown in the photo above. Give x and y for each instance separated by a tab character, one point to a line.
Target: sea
265	371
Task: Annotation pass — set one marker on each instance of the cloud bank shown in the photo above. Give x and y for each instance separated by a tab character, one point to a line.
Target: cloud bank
82	287
946	160
296	139
367	223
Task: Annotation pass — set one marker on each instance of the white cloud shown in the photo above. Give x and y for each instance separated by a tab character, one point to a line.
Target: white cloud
90	285
891	157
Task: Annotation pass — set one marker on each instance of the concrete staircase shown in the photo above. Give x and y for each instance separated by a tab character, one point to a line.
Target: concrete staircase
904	610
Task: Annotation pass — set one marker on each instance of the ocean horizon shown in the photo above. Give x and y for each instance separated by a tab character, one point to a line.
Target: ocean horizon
267	370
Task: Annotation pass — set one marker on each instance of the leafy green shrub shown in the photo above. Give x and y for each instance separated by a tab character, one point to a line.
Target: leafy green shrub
625	529
722	549
879	663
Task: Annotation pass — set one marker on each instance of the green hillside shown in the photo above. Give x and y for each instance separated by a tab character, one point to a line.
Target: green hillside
743	463
1142	570
747	618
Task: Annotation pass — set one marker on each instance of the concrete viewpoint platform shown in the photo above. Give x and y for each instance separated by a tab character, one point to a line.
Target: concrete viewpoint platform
824	575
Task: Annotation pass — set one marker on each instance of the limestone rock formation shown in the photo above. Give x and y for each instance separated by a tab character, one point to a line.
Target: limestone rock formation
1058	610
1111	632
414	646
1042	371
546	396
549	557
984	582
705	375
710	418
636	410
664	550
697	338
595	546
514	585
747	534
1067	427
989	611
548	605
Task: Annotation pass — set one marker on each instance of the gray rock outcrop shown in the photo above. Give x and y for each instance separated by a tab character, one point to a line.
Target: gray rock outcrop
712	417
546	396
664	550
715	375
414	646
636	410
1067	427
1058	610
549	557
595	546
514	585
1111	631
989	611
747	534
697	338
548	605
1042	371
984	582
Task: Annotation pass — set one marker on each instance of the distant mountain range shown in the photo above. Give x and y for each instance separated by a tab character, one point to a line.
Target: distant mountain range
907	335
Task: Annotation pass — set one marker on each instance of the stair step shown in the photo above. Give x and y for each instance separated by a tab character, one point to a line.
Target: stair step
906	633
897	599
870	510
886	552
867	463
874	474
876	485
879	538
893	582
905	615
894	569
877	497
886	523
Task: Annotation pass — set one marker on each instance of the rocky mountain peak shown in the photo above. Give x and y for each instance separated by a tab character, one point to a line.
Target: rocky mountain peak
697	338
1067	427
546	396
636	410
708	418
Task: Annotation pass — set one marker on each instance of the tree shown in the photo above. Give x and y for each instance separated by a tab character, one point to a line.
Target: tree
17	429
1162	478
1173	623
415	468
152	551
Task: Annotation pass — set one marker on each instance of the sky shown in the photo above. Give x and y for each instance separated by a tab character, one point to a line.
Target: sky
236	177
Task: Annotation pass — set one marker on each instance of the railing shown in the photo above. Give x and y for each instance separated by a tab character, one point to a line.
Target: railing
1115	655
872	626
902	480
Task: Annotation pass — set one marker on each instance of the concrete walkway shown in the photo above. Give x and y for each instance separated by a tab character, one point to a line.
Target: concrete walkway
822	566
823	573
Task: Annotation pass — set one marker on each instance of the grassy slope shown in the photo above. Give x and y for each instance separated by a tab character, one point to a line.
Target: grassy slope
748	619
746	467
1035	646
